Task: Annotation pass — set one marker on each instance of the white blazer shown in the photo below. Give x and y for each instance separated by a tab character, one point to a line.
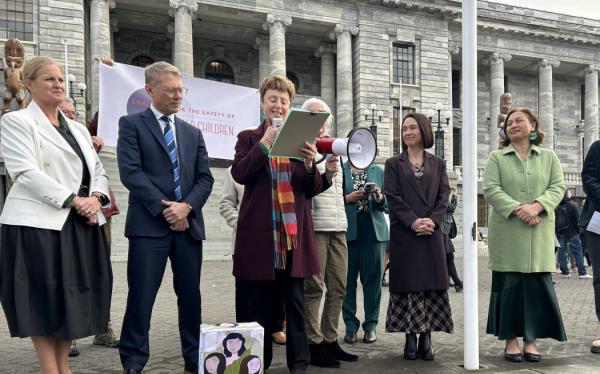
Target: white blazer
44	168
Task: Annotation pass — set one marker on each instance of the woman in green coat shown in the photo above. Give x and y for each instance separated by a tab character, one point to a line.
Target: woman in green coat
523	183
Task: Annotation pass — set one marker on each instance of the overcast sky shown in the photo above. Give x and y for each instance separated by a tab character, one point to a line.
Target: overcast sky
582	8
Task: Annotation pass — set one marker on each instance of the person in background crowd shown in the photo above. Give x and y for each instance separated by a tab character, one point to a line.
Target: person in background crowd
449	247
590	178
275	246
416	187
329	220
567	231
367	237
51	236
163	163
523	183
229	208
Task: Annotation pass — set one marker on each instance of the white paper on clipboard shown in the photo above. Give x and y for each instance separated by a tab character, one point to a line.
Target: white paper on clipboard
299	126
594	225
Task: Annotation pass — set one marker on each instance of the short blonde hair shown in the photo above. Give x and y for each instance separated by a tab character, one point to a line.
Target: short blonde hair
277	83
33	66
153	71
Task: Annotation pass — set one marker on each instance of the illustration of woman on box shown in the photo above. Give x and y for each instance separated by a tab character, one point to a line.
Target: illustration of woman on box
214	363
234	348
250	365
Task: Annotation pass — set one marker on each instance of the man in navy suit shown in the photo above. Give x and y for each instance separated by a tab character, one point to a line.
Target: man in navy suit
164	164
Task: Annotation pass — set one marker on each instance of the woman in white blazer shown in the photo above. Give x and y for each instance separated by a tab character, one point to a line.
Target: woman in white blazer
55	274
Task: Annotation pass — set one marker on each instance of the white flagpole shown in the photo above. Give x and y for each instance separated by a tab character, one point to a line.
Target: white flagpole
469	146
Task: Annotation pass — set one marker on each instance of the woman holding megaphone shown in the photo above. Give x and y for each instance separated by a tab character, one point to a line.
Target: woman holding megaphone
417	189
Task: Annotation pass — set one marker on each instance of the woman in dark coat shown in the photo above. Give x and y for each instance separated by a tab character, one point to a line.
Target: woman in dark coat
275	246
416	187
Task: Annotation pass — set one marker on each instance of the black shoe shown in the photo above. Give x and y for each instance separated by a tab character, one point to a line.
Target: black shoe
458	288
424	350
532	357
350	337
74	350
338	353
190	369
320	357
370	337
384	282
132	371
513	357
298	371
410	347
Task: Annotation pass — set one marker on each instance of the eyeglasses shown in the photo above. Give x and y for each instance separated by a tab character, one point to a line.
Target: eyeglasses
182	91
71	114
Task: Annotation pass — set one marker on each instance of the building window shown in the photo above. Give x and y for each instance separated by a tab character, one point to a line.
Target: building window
456	89
142	61
294	79
16	19
404	64
219	71
397	125
457	146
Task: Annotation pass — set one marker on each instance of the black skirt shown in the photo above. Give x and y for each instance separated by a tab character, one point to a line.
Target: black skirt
524	305
55	283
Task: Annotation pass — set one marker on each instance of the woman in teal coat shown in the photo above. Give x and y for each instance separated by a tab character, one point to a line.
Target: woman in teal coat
523	183
366	236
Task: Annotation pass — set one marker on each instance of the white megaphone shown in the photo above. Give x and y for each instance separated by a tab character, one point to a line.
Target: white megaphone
360	147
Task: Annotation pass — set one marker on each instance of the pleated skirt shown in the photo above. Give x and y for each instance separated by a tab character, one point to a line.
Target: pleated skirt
55	283
524	305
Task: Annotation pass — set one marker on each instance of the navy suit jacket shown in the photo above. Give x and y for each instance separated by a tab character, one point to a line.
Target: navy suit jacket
145	169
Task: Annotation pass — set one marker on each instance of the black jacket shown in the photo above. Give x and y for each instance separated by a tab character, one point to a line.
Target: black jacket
572	216
590	176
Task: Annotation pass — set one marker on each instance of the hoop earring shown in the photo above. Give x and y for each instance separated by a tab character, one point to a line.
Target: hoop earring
533	136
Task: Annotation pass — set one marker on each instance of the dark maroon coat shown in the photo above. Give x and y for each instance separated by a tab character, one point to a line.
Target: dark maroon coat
254	247
417	263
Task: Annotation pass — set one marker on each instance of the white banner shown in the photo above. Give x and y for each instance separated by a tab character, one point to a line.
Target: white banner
220	110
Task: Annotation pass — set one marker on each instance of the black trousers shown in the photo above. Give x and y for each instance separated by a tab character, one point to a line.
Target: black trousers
593	245
240	308
263	300
452	273
146	264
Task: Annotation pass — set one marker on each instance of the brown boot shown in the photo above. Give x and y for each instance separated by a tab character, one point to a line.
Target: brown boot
107	339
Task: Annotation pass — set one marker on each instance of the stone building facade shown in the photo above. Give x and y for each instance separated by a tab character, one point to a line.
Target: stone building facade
401	55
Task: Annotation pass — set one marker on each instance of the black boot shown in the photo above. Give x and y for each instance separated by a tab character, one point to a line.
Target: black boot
410	347
424	351
338	353
320	357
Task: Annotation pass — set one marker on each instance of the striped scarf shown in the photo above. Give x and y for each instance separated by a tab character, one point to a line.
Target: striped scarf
285	227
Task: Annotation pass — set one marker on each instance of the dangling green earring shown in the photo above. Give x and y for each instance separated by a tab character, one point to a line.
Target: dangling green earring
533	136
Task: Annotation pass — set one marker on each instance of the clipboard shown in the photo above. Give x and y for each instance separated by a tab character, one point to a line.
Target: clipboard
299	126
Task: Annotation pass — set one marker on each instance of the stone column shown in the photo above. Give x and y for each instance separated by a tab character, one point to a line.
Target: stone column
344	108
183	48
276	24
325	52
264	63
100	37
496	90
546	100
591	106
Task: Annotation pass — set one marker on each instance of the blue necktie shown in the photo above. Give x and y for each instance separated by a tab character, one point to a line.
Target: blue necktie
170	140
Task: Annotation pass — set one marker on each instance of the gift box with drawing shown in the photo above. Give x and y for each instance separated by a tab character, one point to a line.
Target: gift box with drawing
231	348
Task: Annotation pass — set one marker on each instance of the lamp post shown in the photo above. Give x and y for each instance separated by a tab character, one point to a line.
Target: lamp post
370	113
439	131
80	86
